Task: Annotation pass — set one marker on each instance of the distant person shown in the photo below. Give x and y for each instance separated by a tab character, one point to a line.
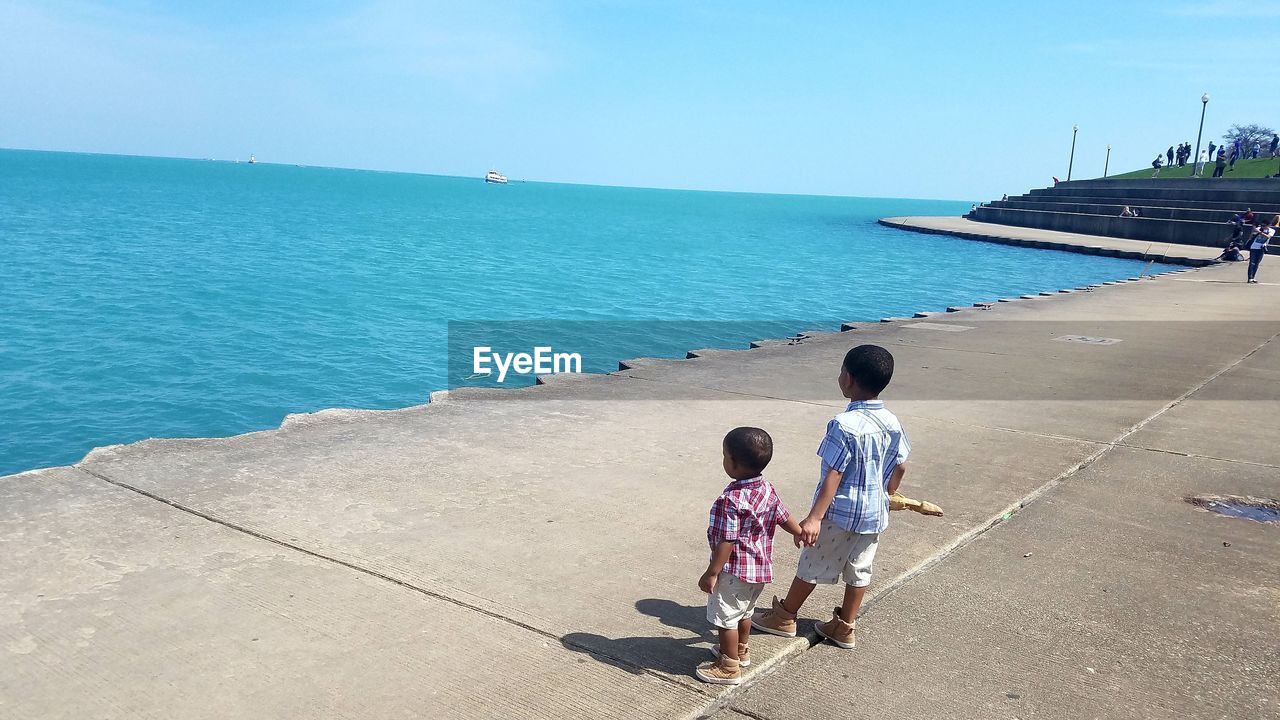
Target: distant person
1169	154
740	531
1257	148
1055	180
973	208
1237	225
1232	253
1156	164
1200	161
1258	245
1126	212
1004	198
1234	155
1220	164
864	456
1211	146
1275	143
1248	216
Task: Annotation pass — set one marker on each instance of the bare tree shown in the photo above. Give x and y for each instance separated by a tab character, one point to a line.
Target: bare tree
1248	135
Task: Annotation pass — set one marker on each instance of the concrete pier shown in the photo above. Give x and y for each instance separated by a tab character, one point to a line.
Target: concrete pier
1146	250
535	553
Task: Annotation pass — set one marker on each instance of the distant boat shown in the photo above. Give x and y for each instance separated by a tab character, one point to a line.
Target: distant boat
493	176
252	159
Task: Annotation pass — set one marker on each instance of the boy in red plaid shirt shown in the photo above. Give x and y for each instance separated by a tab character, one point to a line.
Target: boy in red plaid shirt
740	532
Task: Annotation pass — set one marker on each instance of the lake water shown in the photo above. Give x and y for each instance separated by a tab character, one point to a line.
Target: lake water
147	297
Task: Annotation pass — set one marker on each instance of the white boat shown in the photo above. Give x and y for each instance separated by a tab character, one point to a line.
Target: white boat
493	176
252	159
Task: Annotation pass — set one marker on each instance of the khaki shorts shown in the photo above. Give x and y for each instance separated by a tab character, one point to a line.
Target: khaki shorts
733	601
839	553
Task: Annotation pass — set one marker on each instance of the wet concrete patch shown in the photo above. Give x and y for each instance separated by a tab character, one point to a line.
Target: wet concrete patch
939	326
1235	506
1087	340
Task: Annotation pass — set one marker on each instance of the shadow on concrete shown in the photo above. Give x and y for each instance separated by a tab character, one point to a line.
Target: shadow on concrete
677	653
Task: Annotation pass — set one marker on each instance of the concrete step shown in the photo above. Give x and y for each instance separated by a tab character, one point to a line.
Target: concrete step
1227	207
1244	185
1208	190
1221	217
1184	232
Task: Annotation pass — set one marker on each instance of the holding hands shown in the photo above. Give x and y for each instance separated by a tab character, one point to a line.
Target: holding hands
800	531
809	528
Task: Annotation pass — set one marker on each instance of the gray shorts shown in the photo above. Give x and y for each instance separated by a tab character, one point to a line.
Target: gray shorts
733	601
838	553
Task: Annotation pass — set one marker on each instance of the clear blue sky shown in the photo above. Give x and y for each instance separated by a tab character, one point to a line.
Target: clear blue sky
929	99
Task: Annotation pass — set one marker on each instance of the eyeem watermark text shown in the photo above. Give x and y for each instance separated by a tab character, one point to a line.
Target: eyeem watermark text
542	361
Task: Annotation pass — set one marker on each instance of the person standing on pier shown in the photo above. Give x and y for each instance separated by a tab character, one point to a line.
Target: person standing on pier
1211	147
1258	247
1275	142
1200	161
1220	164
864	455
1169	154
740	532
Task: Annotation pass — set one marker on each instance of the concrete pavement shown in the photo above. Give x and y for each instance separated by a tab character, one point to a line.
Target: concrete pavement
535	553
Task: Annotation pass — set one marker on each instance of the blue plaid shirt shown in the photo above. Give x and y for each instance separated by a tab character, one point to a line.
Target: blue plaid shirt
865	442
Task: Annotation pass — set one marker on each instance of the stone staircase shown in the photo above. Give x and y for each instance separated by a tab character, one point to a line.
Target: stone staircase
1188	211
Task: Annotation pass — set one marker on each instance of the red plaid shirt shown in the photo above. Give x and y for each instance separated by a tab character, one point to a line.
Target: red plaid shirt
746	514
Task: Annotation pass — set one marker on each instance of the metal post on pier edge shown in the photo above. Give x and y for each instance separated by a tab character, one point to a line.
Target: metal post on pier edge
1072	161
1204	103
1106	164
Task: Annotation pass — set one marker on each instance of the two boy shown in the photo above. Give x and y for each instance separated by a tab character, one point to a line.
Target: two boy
864	454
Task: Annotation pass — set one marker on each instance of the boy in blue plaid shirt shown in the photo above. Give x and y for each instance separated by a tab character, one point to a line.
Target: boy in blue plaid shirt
864	455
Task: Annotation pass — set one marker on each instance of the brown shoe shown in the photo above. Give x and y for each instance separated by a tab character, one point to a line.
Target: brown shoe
776	621
837	631
723	671
744	654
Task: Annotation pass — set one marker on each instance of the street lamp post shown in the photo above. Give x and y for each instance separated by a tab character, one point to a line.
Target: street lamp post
1106	164
1073	152
1204	104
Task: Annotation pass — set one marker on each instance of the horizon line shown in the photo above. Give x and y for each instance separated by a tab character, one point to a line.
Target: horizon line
441	175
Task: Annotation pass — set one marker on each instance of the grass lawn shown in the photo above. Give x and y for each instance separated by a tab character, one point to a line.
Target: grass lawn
1260	168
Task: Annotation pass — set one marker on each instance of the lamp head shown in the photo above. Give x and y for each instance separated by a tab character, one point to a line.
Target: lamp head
1205	98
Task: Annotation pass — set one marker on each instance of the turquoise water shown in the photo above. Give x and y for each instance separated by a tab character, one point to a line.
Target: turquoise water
146	297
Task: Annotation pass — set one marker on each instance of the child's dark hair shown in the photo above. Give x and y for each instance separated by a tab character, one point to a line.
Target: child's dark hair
871	366
750	447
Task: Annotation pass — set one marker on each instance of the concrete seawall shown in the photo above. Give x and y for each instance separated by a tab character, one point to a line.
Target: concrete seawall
535	553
